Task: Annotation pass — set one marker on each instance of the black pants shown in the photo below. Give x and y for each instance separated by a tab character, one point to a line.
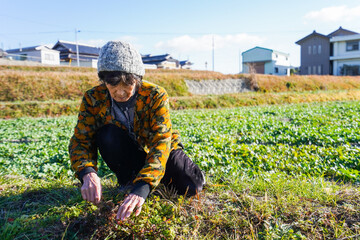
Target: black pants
126	158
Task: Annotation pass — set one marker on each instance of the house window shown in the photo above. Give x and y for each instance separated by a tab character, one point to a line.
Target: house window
314	70
309	70
309	50
276	70
319	49
319	69
352	46
314	49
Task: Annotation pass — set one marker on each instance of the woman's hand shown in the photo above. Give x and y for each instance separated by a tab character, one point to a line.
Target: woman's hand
91	189
129	205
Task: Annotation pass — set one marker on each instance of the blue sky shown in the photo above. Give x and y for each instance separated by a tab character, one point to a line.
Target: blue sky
184	29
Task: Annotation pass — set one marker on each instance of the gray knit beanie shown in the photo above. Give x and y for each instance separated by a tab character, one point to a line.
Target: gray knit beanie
120	56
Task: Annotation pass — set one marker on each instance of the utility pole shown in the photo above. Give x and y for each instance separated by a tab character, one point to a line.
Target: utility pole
77	48
239	61
213	54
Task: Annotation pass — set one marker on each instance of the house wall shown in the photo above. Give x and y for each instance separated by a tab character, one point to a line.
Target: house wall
341	55
50	57
315	59
281	59
269	67
167	65
26	56
42	56
340	49
282	63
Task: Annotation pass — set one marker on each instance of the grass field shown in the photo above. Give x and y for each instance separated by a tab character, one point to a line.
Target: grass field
55	91
273	172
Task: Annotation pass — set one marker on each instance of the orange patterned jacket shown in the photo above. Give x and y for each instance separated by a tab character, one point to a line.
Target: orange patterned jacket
152	127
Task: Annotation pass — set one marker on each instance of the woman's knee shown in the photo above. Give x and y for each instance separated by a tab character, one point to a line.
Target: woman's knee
183	174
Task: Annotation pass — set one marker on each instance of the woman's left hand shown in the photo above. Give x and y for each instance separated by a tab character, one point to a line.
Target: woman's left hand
129	205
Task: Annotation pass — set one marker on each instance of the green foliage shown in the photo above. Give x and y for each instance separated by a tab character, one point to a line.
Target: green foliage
321	139
314	140
267	170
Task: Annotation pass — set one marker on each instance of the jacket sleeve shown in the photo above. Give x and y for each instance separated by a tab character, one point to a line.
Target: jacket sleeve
159	141
82	149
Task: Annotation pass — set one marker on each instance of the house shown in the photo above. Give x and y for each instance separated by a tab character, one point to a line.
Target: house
265	61
42	54
345	55
164	61
315	52
88	55
185	64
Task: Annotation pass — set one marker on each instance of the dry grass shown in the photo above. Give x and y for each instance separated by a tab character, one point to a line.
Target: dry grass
71	107
269	83
55	83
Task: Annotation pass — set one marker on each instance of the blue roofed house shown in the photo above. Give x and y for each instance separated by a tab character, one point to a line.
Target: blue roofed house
165	61
265	61
41	54
186	64
88	55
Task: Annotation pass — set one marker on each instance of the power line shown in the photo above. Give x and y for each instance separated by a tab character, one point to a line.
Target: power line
32	33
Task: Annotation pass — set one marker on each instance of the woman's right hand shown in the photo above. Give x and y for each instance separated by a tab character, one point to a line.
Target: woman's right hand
91	189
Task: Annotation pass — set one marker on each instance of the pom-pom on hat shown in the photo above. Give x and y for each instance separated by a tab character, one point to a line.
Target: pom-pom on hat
120	56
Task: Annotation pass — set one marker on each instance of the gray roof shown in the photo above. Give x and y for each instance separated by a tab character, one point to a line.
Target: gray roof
314	33
70	47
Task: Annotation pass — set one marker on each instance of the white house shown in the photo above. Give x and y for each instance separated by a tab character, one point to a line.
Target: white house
265	61
345	57
41	54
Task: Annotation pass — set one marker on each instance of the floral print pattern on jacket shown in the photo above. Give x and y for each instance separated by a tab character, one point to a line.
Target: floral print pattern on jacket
152	127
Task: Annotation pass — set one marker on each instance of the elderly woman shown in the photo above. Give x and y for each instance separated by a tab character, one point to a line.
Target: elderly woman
128	121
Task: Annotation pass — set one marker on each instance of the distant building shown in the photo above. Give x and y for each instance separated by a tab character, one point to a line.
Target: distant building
317	50
42	54
185	64
164	61
265	61
88	55
345	57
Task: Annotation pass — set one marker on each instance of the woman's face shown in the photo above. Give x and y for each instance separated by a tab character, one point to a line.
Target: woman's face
121	92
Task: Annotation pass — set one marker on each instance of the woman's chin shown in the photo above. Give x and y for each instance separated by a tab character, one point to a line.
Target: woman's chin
121	99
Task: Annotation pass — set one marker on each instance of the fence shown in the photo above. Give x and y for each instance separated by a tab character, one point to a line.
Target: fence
216	86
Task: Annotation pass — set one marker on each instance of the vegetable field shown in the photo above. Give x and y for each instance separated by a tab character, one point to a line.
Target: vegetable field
274	172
